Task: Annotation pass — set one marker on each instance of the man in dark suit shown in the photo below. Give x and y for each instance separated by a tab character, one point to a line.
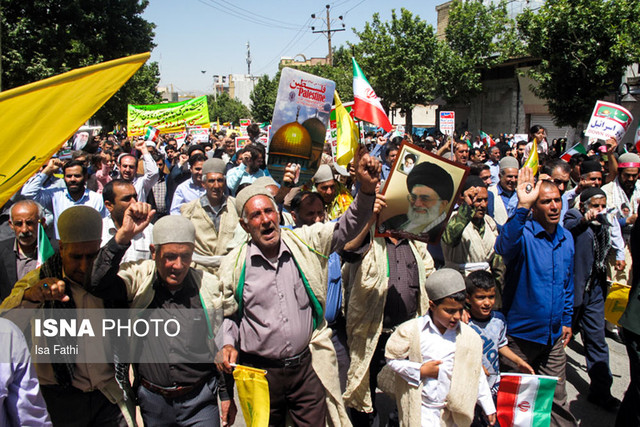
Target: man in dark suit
20	253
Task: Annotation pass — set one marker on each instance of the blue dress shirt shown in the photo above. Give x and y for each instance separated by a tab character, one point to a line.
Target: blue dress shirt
538	289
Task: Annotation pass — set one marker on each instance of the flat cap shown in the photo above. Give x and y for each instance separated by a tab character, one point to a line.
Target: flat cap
247	193
509	162
589	166
444	282
323	174
591	192
214	166
173	229
265	181
79	224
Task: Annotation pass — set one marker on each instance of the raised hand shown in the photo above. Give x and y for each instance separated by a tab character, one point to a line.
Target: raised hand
367	170
47	289
527	188
136	218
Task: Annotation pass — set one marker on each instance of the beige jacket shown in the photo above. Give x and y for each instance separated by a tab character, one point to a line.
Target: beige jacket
366	284
211	246
310	246
500	214
472	248
404	343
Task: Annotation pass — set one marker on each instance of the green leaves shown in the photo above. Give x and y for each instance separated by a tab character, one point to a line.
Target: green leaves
226	109
585	46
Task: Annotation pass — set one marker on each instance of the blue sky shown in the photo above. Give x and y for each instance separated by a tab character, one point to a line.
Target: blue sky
211	35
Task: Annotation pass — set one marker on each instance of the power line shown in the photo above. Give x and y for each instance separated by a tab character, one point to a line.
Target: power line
289	45
250	18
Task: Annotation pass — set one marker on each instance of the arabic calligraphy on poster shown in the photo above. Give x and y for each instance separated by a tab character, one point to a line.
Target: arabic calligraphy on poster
299	124
609	120
167	118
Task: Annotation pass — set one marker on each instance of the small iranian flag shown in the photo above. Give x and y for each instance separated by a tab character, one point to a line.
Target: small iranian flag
152	134
487	140
366	105
576	149
45	250
637	139
525	400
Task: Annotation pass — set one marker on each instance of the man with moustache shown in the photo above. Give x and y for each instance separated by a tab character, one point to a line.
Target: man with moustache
504	191
20	254
58	199
430	189
128	167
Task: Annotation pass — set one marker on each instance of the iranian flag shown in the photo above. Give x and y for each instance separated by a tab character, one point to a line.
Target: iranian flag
637	139
525	400
576	149
45	250
487	140
367	106
151	134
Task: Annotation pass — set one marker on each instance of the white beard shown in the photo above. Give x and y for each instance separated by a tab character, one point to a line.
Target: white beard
418	221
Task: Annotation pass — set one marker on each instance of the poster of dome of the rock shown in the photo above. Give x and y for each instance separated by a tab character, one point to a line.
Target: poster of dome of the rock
299	123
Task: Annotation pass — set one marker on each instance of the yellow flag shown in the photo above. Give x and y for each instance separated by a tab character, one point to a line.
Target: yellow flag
253	393
348	134
532	160
36	119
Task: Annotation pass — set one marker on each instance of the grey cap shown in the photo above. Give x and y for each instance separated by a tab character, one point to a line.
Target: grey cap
444	282
323	174
629	158
173	229
340	170
80	224
265	181
247	193
509	162
214	166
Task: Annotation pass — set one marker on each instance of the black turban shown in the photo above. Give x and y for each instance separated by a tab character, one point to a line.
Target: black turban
432	176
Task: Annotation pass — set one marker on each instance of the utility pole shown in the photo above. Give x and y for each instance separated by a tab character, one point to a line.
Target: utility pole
248	59
328	32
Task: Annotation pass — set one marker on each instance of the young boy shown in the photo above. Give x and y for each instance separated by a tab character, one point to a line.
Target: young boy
438	360
492	328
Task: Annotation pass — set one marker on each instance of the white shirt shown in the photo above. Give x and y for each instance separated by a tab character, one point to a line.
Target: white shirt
144	183
139	248
57	199
437	346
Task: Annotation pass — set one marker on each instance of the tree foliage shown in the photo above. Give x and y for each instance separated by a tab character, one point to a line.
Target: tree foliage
263	98
42	38
477	37
226	109
584	47
399	58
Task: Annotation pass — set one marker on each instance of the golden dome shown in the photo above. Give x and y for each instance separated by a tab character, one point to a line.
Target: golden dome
292	140
316	129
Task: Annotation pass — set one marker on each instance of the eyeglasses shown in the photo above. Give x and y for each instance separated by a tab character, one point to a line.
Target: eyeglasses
423	198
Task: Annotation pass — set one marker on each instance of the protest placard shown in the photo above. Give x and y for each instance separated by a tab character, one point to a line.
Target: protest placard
609	120
167	118
299	124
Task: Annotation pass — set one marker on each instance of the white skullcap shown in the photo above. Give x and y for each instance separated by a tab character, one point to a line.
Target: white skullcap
173	229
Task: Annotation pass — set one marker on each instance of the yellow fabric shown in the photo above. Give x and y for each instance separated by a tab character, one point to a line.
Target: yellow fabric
253	393
348	134
323	355
532	161
366	285
616	302
36	119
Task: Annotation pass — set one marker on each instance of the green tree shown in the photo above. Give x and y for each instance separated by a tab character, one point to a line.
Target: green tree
226	109
399	58
583	47
477	37
41	38
263	98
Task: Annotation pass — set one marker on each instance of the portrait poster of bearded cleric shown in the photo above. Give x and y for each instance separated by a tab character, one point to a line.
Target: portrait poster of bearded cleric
421	198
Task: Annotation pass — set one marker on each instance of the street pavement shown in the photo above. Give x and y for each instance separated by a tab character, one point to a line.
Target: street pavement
587	414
